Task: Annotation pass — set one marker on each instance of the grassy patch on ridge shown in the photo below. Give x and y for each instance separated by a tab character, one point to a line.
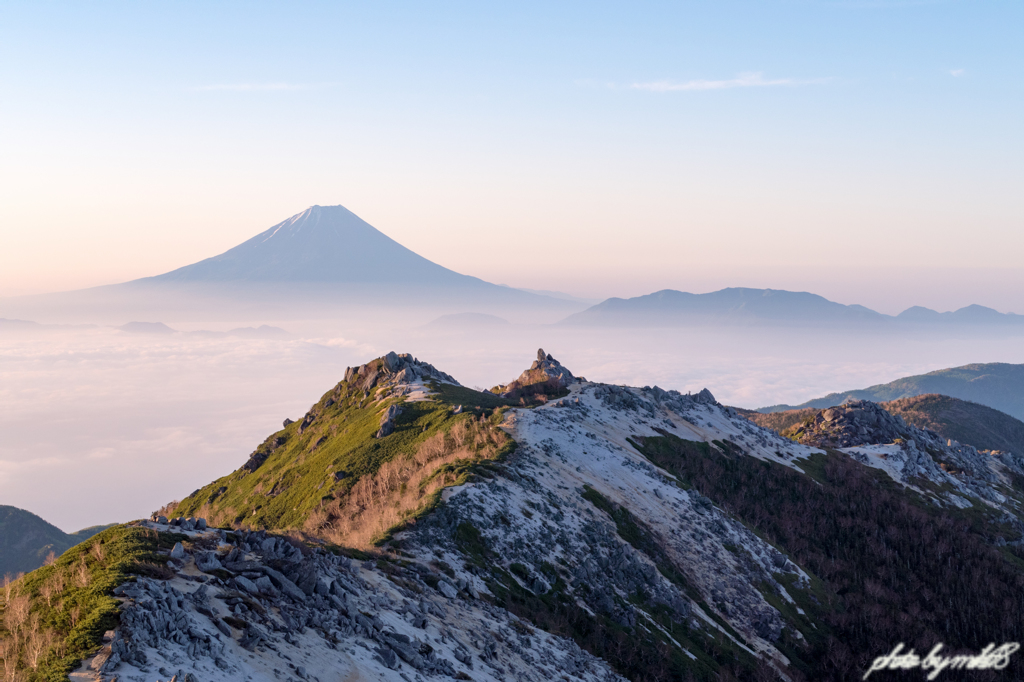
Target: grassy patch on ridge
330	477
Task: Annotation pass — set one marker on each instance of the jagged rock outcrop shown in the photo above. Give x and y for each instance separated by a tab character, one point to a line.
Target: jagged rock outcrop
546	376
705	397
393	369
387	420
873	436
857	422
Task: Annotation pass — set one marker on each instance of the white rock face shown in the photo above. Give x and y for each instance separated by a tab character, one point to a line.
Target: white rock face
535	515
321	617
911	456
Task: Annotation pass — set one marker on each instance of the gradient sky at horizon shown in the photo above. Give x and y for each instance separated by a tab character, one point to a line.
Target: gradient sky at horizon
867	151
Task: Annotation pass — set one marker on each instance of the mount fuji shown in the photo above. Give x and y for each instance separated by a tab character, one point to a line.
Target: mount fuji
323	263
321	244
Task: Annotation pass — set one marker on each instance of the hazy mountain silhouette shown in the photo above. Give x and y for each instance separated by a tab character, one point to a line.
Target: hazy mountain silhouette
739	305
972	314
146	328
326	259
669	307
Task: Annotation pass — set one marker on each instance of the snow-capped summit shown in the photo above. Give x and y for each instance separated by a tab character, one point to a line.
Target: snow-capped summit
320	244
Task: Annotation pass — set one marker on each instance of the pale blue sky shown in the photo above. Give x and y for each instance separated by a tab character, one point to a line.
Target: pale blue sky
597	148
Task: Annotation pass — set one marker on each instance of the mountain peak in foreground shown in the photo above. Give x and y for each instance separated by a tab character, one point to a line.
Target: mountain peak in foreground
409	527
320	244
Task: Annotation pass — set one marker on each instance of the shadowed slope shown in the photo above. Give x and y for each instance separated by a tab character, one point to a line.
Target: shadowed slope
26	539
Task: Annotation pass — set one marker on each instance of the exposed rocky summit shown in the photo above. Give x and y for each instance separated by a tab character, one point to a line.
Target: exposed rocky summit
858	422
391	376
546	376
873	436
394	369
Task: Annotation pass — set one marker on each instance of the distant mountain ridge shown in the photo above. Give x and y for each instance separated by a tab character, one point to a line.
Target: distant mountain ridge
669	307
326	257
739	305
26	540
972	314
998	385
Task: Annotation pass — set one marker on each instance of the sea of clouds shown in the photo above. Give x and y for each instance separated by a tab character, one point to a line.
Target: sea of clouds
100	425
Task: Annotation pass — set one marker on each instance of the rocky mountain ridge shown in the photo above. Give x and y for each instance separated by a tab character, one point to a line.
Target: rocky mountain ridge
877	438
577	467
603	532
243	605
970	423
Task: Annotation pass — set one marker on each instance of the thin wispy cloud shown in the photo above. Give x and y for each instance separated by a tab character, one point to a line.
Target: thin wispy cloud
263	87
743	80
956	73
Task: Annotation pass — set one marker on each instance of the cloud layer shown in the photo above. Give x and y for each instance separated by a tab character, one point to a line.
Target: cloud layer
101	426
